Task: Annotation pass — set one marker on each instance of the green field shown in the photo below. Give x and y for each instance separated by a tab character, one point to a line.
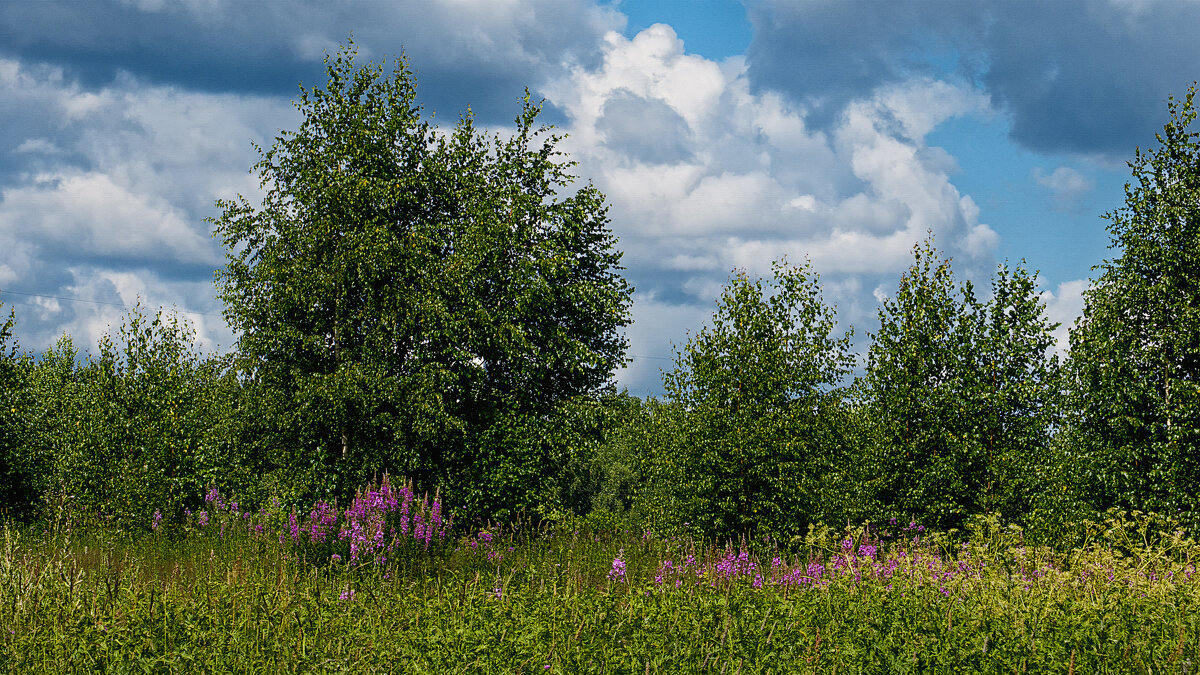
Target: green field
262	593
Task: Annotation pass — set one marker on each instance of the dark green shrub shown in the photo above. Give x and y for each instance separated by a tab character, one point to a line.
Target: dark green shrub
20	467
143	426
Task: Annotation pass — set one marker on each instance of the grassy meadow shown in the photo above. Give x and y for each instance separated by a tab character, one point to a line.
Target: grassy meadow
387	586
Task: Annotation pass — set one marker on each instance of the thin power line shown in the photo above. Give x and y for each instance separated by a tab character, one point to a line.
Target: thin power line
94	302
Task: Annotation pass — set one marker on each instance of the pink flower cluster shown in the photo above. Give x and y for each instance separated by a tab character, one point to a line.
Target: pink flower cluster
378	520
851	561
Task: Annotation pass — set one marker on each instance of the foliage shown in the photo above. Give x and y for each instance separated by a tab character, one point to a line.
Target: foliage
744	444
963	395
1135	352
415	301
606	469
146	422
18	467
563	601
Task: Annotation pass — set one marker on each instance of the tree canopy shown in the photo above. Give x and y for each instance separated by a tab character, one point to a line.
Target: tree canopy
1135	352
744	442
417	300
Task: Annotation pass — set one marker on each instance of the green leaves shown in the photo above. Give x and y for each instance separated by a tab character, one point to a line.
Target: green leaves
963	394
1135	353
20	468
744	442
144	425
415	301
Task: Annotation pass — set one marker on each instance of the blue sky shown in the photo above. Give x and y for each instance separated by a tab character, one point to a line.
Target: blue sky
725	134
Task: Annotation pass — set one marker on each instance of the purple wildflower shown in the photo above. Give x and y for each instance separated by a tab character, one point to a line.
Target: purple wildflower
294	526
617	573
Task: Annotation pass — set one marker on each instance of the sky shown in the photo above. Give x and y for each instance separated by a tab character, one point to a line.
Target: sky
724	134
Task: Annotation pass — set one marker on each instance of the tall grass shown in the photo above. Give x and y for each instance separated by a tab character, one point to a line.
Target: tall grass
243	594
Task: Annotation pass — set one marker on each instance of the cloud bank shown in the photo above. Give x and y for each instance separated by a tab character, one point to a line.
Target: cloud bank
127	119
705	176
1083	76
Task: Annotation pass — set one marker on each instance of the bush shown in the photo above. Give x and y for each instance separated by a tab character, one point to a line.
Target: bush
608	445
20	468
144	425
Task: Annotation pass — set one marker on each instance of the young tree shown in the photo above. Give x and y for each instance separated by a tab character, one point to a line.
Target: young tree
743	444
962	393
925	470
1012	386
1135	352
418	302
138	428
17	465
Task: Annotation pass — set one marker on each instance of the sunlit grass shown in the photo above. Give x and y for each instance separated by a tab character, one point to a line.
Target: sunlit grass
230	597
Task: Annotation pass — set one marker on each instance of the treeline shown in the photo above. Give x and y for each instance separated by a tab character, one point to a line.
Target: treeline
442	307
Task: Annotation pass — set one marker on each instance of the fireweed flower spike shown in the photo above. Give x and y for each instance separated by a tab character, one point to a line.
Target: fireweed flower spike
617	573
379	520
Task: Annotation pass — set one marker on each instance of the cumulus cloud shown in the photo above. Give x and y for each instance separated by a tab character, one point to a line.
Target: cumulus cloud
645	130
89	215
1063	306
721	177
1067	187
103	198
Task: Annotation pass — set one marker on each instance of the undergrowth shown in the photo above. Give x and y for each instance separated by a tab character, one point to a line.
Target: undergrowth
567	599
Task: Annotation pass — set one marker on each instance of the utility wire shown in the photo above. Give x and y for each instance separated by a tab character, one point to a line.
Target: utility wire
94	302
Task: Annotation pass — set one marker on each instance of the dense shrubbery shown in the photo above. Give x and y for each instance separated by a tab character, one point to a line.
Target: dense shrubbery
147	423
432	306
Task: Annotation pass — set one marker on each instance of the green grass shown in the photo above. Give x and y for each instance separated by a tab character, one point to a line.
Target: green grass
86	601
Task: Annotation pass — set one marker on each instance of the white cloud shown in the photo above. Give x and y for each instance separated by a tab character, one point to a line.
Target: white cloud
1067	187
38	145
884	138
90	215
104	199
756	183
1064	306
920	105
